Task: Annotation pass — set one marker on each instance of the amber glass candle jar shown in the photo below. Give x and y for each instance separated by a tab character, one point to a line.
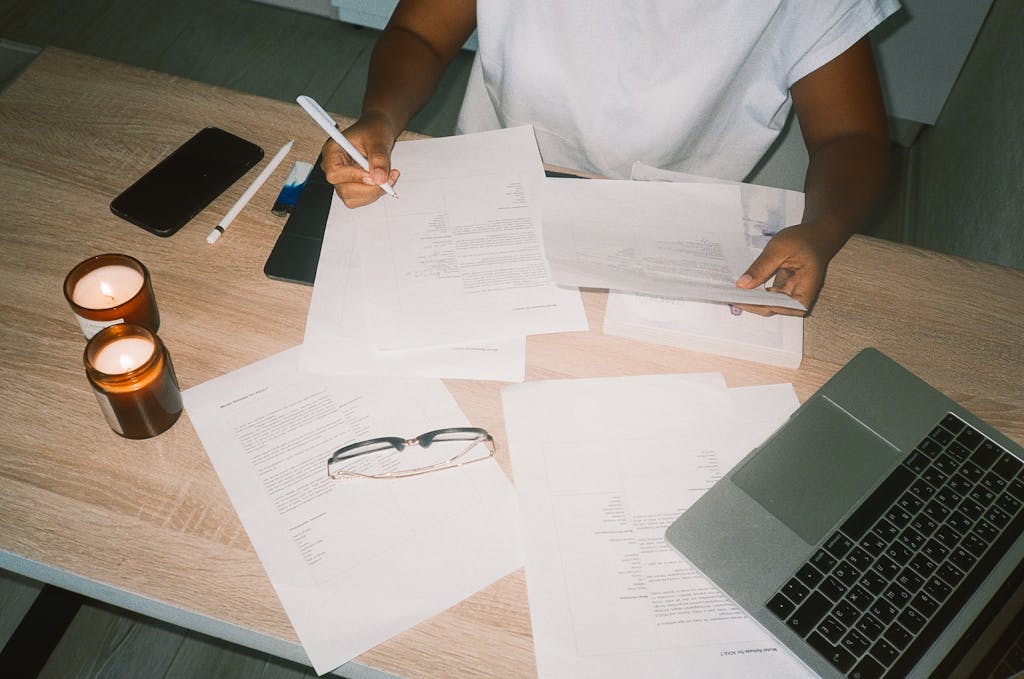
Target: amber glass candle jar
109	289
131	373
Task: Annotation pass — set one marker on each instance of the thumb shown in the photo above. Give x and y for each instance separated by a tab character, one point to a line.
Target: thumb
379	159
761	269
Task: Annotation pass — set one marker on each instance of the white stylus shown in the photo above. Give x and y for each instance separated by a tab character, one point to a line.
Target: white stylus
321	118
261	179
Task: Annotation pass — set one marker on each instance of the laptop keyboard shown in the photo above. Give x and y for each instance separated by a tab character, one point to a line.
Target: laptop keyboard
880	590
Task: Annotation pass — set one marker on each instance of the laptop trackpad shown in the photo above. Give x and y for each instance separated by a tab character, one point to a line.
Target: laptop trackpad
816	468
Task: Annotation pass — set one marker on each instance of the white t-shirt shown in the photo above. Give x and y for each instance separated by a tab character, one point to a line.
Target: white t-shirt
699	86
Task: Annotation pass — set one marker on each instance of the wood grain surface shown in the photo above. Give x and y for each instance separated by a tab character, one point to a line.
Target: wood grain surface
151	517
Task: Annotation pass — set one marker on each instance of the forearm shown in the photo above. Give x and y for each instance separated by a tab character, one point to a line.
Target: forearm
845	178
404	72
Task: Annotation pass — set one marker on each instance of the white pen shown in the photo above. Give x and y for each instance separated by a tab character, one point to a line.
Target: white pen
321	118
261	178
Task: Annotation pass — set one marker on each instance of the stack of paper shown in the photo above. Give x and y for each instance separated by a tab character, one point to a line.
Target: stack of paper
447	279
602	467
706	327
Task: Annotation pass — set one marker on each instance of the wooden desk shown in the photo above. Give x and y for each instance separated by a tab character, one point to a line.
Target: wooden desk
147	525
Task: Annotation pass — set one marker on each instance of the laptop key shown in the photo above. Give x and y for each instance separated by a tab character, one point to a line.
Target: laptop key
971	471
859	597
833	589
897	636
840	658
952	423
838	545
1008	503
970	437
781	606
867	668
873	582
884	611
987	453
1007	466
951	574
909	580
923	565
809	613
974	544
911	619
884	652
942	436
823	561
831	629
1016	489
859	558
846	612
809	575
795	590
869	626
855	642
937	588
986	530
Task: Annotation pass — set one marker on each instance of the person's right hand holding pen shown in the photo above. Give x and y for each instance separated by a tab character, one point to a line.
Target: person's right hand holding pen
340	153
355	186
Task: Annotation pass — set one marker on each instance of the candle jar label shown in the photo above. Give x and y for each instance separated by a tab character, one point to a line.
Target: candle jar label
90	327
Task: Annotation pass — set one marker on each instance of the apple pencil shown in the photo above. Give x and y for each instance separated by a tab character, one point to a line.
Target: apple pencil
261	178
321	118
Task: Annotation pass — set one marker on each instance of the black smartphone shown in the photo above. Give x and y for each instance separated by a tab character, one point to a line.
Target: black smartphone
178	188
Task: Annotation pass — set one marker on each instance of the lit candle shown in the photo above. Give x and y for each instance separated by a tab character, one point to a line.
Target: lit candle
110	289
123	355
131	374
107	286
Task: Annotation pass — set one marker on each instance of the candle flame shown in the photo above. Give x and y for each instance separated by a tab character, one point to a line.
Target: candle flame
128	362
106	290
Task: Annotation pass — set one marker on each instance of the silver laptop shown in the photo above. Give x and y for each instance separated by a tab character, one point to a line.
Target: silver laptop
878	533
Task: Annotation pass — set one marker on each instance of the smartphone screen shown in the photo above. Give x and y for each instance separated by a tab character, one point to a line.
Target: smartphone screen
182	184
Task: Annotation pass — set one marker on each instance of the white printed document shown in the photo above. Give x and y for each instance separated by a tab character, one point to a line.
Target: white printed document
339	341
353	562
602	467
459	256
679	240
709	327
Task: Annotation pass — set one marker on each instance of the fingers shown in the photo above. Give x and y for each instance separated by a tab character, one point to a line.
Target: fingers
357	187
759	310
762	268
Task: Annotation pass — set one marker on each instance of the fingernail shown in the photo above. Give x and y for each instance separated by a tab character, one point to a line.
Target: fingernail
369	180
745	279
735	310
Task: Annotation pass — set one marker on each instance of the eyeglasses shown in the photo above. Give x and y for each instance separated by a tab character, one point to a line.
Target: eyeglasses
386	458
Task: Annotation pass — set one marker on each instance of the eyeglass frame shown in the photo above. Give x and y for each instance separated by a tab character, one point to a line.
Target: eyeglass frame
399	444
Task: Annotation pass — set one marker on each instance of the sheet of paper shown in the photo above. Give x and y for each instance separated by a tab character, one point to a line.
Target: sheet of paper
766	210
353	562
338	339
676	240
459	256
709	327
602	467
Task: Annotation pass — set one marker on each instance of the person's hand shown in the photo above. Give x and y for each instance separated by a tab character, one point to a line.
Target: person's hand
798	256
374	138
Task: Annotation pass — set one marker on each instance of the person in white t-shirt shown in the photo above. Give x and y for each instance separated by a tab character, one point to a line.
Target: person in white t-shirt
697	86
